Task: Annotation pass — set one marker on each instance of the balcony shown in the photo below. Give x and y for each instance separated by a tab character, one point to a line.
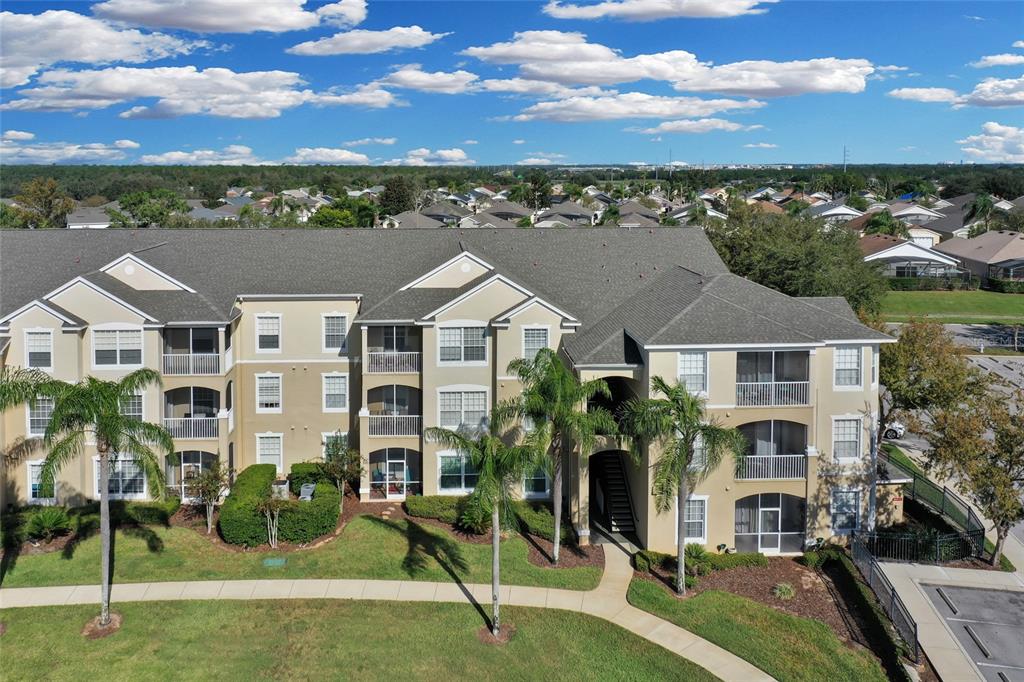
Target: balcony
191	364
193	428
772	393
395	424
772	468
388	362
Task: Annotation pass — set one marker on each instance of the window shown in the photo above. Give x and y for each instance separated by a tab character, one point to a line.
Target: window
874	367
268	392
457	474
131	407
336	442
335	332
700	455
40	489
463	344
39	416
695	520
268	449
39	349
117	347
693	371
534	338
845	511
462	409
127	479
335	388
268	333
846	438
536	484
847	366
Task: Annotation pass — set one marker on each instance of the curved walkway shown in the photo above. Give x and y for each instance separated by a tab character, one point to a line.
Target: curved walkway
607	601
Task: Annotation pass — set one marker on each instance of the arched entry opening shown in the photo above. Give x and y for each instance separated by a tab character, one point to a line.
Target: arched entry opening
611	509
770	523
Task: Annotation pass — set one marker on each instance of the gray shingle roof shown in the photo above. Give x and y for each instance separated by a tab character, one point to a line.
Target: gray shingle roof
412	219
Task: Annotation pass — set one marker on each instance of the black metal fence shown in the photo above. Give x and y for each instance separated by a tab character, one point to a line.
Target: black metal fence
891	603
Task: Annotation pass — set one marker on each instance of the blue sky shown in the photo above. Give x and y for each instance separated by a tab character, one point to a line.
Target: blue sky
619	81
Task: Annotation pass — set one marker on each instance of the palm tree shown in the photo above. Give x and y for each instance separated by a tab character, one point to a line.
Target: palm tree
982	208
691	447
92	409
555	400
501	469
883	222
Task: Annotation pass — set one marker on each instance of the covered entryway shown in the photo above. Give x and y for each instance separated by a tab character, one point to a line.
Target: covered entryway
611	505
770	523
395	473
183	466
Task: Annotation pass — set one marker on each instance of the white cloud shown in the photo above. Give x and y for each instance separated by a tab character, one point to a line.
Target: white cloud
368	42
126	144
547	155
328	155
892	67
924	94
14	152
518	141
1018	44
996	143
544	89
629	105
1004	59
974	17
535	161
185	90
428	157
651	10
18	135
991	92
761	145
231	16
32	42
908	148
696	126
232	155
370	140
470	142
567	58
413	77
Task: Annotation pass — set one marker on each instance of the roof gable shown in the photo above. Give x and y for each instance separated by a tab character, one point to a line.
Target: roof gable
138	274
452	274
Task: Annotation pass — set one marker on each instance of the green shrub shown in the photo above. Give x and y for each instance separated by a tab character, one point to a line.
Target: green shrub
812	559
148	513
303	522
302	473
783	591
537	519
444	508
240	522
646	559
474	515
1006	286
534	518
723	562
48	523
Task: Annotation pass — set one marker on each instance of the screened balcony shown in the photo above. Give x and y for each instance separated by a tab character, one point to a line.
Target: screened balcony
393	350
776	450
191	412
772	378
394	411
191	352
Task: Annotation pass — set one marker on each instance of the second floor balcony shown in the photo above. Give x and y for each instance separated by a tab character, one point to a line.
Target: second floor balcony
773	379
191	352
776	450
192	413
394	411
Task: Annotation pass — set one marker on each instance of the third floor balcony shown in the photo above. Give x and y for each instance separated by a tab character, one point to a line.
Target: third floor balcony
393	350
772	378
191	352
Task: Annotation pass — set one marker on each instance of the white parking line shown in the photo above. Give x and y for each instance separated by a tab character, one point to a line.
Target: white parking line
986	622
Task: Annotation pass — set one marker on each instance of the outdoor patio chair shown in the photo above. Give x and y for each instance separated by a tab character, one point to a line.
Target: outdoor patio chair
306	492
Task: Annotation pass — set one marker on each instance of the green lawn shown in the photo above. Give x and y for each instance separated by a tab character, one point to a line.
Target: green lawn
786	647
369	547
299	640
899	457
953	307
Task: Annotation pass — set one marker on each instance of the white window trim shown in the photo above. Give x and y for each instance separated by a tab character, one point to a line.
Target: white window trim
452	491
280	458
256	333
323	392
545	327
831	510
280	384
117	326
28	422
462	388
38	330
707	516
860	438
462	363
42	501
859	386
142	395
707	370
876	368
323	332
324	435
536	496
144	495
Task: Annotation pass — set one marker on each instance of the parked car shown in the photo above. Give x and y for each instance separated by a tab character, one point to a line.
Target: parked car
894	430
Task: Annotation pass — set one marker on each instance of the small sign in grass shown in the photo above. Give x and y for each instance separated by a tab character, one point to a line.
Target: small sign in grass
274	563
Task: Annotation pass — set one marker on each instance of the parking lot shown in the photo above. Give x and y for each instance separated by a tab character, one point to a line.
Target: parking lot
989	626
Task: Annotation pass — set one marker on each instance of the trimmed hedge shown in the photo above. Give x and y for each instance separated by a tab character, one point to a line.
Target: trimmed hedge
933	283
534	517
143	513
240	523
302	473
444	508
302	522
1006	286
645	560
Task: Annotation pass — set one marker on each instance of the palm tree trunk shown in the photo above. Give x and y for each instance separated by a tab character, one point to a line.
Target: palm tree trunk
495	569
556	501
681	544
104	456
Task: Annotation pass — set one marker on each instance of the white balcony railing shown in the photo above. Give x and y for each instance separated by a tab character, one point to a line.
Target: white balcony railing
392	363
769	467
193	364
195	428
772	393
395	424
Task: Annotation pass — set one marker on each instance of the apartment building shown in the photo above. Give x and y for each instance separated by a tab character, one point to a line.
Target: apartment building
271	343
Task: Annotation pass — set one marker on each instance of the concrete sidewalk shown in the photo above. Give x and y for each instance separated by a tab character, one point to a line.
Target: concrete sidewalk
607	601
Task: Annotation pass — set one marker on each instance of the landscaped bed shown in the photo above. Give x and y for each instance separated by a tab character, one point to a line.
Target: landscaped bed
327	640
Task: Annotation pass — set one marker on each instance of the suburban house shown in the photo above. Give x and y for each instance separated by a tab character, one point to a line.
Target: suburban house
903	258
510	211
91	217
445	212
992	255
485	220
370	336
920	235
833	212
567	213
411	219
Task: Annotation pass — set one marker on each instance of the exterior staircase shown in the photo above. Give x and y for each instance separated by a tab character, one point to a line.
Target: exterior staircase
614	486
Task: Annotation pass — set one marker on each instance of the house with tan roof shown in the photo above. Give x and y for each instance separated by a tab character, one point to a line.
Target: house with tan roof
992	255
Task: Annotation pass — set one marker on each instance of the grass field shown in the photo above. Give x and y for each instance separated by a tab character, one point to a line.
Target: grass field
301	640
784	646
954	307
369	547
901	458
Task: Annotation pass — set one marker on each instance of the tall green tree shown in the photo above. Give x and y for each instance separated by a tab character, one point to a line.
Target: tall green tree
883	222
555	400
690	445
540	188
501	469
93	410
981	209
398	195
43	203
146	209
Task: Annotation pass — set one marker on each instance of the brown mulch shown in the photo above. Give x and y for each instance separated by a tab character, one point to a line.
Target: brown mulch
508	630
971	562
29	548
93	629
